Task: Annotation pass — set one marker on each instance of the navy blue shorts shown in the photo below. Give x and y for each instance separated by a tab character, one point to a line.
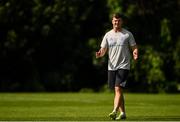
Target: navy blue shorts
117	78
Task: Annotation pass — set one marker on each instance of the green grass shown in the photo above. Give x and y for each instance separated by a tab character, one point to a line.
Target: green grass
86	106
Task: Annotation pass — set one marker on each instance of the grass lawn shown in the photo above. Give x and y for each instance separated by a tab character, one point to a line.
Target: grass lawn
86	106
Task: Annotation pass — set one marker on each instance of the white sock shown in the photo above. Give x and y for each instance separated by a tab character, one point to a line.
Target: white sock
114	111
123	113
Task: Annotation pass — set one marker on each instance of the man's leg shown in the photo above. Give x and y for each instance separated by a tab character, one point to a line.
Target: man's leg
120	79
122	104
118	99
111	82
122	114
117	102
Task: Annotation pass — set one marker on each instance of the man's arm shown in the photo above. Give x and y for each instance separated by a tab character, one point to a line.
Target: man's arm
101	52
135	52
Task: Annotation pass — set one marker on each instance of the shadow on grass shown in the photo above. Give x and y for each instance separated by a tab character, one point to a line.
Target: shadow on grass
144	118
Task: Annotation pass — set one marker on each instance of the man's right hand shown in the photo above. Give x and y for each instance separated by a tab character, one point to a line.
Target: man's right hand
98	54
101	52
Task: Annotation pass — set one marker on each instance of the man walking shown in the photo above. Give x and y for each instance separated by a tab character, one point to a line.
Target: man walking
117	41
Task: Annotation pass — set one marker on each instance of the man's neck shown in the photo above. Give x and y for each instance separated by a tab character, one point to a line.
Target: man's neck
117	29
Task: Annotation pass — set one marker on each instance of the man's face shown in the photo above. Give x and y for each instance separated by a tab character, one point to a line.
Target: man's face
117	22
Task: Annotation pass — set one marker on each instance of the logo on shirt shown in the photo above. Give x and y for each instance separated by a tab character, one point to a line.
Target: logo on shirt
112	42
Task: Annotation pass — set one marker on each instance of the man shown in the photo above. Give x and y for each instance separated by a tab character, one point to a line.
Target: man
117	41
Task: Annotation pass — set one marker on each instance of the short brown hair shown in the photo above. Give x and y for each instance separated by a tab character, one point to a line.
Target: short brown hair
118	15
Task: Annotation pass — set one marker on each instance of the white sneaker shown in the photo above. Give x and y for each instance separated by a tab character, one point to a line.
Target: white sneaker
112	115
121	116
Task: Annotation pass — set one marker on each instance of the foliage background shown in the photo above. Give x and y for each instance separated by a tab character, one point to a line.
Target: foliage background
49	45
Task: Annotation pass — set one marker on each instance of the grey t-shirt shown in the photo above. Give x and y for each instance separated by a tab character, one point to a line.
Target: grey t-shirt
118	48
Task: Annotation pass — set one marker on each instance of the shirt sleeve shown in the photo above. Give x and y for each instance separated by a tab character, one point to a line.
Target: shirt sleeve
104	43
132	41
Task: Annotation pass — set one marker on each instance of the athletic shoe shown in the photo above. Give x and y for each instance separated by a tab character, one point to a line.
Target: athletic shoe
121	116
112	115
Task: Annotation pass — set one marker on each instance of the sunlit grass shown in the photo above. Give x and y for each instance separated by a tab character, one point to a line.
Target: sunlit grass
86	106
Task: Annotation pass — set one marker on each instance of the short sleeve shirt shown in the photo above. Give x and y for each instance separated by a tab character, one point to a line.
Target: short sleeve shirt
118	48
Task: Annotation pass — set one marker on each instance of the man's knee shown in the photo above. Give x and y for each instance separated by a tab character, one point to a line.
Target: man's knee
118	89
